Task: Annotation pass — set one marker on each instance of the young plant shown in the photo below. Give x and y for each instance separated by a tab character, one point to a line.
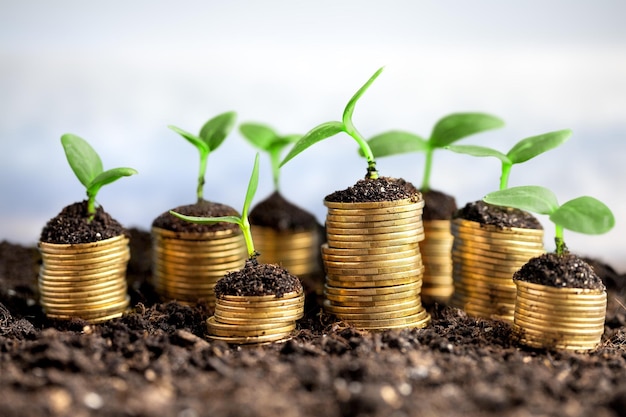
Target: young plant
447	130
583	214
266	139
522	151
242	221
328	129
87	166
211	137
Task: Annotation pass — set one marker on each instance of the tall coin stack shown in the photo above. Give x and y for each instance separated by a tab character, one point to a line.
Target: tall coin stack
296	251
186	265
562	318
86	280
436	249
485	257
242	319
373	264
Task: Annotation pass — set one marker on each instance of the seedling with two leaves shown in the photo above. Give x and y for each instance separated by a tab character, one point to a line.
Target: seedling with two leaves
88	168
211	137
328	129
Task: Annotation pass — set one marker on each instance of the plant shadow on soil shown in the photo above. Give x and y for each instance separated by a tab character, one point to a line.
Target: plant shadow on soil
156	361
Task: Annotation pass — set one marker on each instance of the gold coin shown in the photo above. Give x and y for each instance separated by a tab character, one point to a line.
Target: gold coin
415	285
80	292
261	320
563	299
264	312
201	269
407	259
87	309
370	244
191	236
395	222
412	246
560	336
363	234
79	248
248	340
367	205
354	218
378	315
390	323
561	319
370	284
564	309
340	309
501	270
105	252
474	227
546	289
494	256
342	275
556	329
364	301
236	331
260	298
243	301
374	229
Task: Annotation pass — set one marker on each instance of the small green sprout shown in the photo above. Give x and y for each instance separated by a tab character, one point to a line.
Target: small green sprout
583	214
328	129
446	131
242	221
211	137
87	166
266	139
522	151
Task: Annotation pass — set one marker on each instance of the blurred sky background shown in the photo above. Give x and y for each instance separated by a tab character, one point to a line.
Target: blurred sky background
118	72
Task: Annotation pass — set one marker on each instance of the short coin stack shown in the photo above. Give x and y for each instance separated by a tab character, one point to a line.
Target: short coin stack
485	258
436	249
373	263
86	280
562	318
296	251
255	319
187	265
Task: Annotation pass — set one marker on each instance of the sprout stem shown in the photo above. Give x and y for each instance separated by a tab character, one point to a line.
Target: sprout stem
201	173
561	247
275	161
247	235
427	169
504	178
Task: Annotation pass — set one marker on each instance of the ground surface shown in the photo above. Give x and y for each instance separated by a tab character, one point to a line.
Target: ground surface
155	361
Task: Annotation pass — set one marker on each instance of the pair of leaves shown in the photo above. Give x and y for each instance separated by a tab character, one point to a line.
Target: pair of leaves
328	129
212	134
446	131
242	221
87	165
522	151
583	214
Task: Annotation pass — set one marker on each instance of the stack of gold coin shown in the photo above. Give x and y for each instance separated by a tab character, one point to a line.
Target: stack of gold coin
187	265
561	318
255	319
436	249
296	251
86	280
373	264
485	257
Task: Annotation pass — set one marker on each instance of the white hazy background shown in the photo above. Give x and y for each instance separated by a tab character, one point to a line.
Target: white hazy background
118	72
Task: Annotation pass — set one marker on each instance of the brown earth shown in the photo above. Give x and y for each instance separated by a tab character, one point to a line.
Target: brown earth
156	361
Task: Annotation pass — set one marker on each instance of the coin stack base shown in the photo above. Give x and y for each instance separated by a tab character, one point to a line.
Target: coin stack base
86	280
373	264
484	260
436	249
186	266
255	319
559	318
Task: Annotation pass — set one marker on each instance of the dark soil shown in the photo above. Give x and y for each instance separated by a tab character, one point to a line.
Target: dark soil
438	205
380	189
156	361
257	279
279	214
567	270
498	216
72	225
200	209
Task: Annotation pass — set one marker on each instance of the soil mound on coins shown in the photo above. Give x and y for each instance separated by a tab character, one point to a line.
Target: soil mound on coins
200	209
438	205
567	270
379	189
279	214
498	216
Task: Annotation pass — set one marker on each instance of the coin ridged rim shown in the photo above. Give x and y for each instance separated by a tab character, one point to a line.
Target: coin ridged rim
501	270
415	272
369	244
364	302
477	226
326	249
552	336
531	287
249	340
263	320
279	302
340	309
374	235
508	247
86	305
370	284
87	311
489	259
401	222
404	260
562	319
398	322
562	299
586	332
496	256
78	248
61	256
254	313
568	309
383	315
375	230
256	298
200	269
416	201
354	218
216	328
78	291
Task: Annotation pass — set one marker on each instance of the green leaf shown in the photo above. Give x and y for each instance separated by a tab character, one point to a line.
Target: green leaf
460	125
252	186
207	220
480	151
217	129
530	147
202	147
347	113
396	142
318	133
584	215
529	198
259	135
82	158
112	175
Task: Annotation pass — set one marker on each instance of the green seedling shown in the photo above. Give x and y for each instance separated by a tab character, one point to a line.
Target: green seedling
328	129
583	214
242	221
446	131
87	166
522	151
265	138
211	137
